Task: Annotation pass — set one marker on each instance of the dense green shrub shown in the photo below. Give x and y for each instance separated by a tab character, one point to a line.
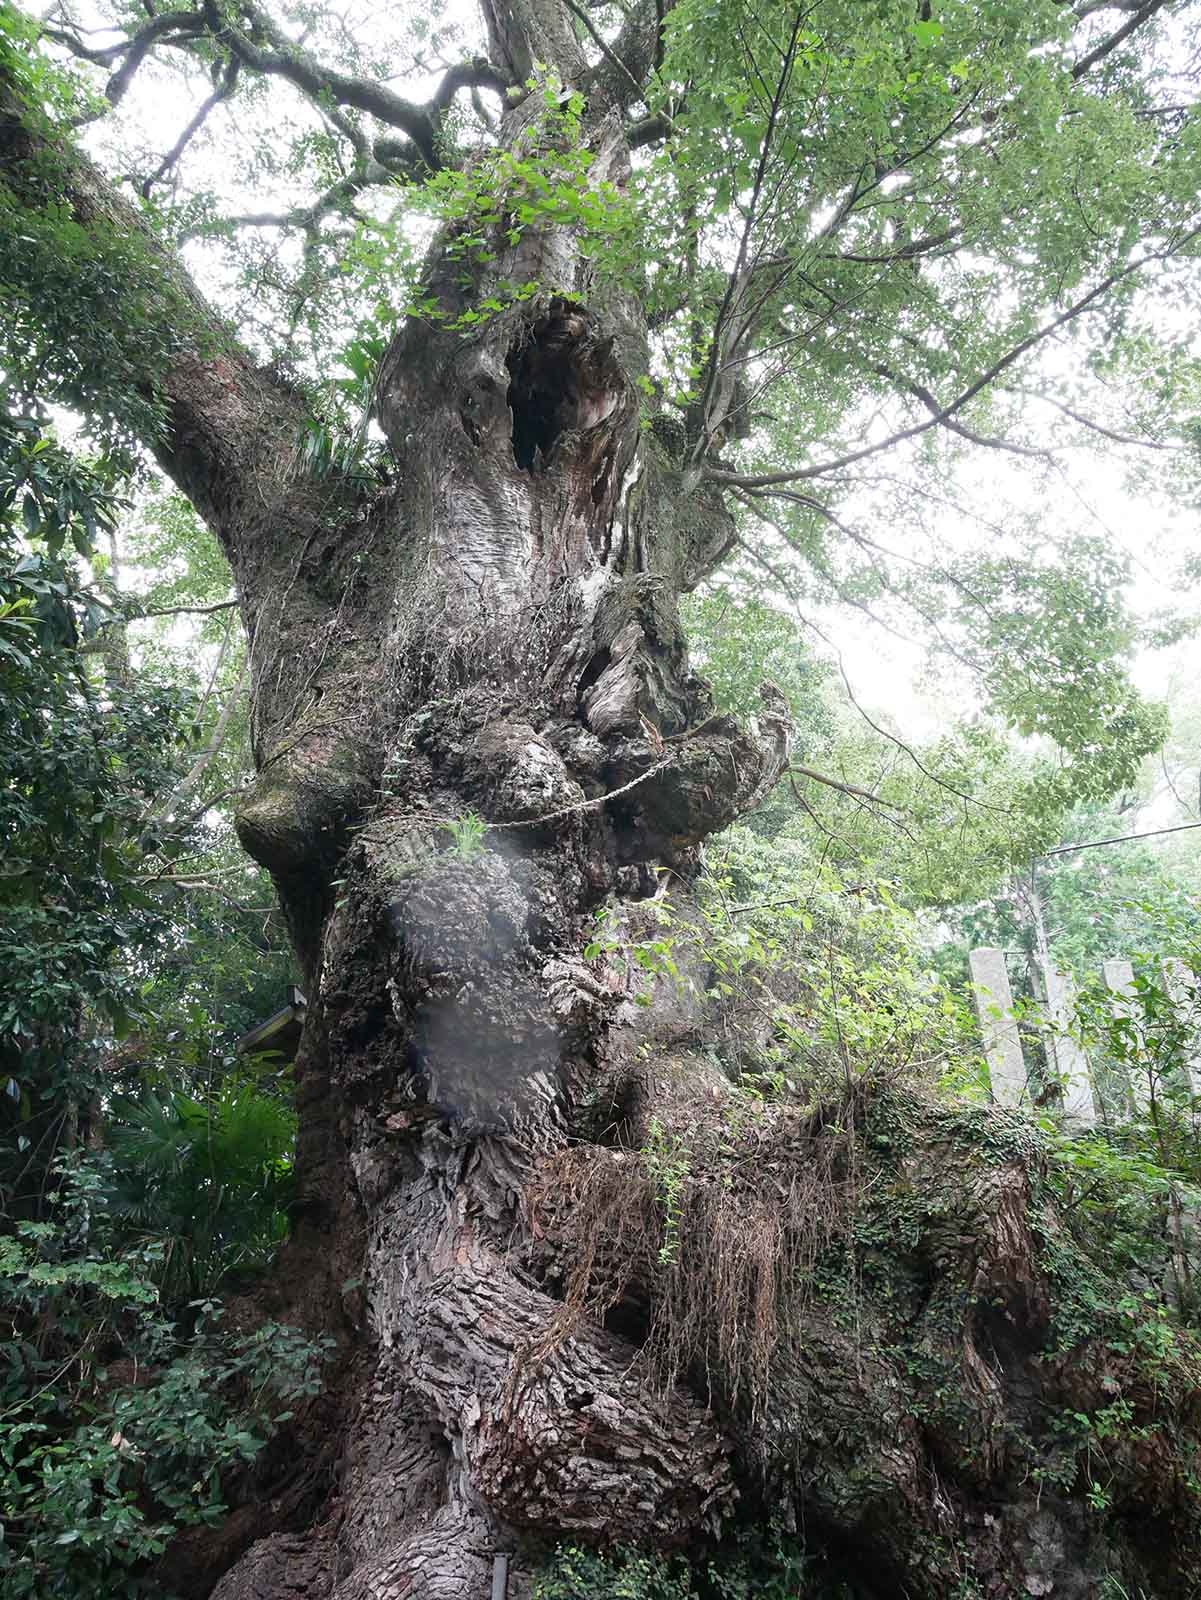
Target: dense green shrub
118	1424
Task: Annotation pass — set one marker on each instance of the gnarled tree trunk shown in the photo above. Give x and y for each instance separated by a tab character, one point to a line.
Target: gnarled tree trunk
493	639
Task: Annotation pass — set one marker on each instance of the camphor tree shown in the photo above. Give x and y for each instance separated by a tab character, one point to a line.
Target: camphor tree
695	270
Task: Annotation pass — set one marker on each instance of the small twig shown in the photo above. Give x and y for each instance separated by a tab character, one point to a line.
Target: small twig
180	611
834	783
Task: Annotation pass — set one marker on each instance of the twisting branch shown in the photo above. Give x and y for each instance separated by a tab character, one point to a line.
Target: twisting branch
171	27
787	588
337	198
265	49
766	276
751	499
1087	8
226	87
911	251
631	61
478	73
895	739
261	46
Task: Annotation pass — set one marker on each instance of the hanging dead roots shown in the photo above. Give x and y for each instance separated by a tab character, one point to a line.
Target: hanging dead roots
703	1253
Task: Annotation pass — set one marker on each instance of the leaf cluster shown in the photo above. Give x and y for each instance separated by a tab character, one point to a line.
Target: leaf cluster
120	1424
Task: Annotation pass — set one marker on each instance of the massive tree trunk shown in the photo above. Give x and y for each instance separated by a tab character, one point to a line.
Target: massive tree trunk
493	639
496	638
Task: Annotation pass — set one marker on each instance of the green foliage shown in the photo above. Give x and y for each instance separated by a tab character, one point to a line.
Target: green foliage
643	957
947	819
753	1564
467	836
737	643
1054	652
57	494
1132	1187
118	1424
335	441
839	969
1120	900
668	1164
84	308
815	982
872	92
546	180
172	559
79	767
574	1573
208	1179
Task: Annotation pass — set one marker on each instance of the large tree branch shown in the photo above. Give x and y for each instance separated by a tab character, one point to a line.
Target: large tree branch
264	48
222	420
605	48
841	786
173	27
1142	15
478	73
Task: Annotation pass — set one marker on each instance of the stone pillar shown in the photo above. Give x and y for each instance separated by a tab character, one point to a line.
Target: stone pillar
1002	1043
1064	1053
1185	992
1119	980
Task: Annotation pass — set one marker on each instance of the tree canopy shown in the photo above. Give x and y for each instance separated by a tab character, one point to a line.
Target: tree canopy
881	250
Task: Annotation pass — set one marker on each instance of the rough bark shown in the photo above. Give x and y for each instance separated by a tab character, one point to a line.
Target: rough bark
494	636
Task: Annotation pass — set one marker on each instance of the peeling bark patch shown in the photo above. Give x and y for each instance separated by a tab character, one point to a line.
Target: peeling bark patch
562	379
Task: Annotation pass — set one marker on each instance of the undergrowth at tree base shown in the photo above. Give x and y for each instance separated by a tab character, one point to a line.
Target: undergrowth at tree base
909	1338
